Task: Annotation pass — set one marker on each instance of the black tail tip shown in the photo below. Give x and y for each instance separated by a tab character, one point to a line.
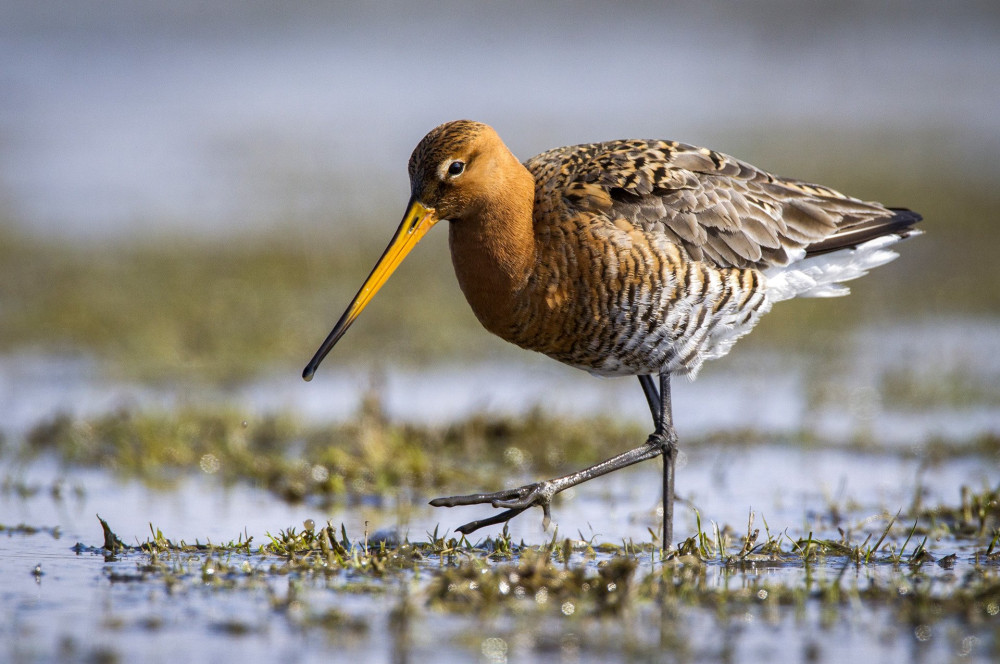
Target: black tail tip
905	217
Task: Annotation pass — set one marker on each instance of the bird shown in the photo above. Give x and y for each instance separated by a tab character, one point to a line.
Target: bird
623	258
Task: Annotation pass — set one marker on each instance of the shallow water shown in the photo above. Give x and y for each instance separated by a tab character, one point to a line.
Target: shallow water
841	396
796	487
126	619
84	604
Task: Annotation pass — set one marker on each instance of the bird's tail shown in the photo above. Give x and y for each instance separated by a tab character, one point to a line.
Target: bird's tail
821	268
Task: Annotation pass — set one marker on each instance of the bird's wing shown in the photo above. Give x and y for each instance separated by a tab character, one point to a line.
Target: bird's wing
717	208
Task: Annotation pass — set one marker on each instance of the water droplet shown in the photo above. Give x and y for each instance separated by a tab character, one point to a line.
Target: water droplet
514	456
494	649
968	645
210	463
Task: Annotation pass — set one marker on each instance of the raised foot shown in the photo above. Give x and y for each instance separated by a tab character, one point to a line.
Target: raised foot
517	500
514	500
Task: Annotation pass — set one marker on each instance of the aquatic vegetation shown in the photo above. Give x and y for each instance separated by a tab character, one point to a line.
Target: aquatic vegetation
225	312
173	309
928	575
28	529
726	578
366	456
977	515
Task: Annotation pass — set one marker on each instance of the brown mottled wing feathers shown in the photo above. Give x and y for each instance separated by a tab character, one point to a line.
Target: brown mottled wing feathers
717	208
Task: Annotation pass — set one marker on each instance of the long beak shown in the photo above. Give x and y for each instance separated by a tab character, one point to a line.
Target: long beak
416	222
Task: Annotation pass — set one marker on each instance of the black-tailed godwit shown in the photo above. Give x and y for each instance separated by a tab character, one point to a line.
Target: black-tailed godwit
626	258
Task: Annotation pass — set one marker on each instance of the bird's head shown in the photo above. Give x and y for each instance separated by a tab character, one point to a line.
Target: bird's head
454	166
450	171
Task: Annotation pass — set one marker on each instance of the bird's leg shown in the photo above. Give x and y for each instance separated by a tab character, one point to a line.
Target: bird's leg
667	438
540	493
652	398
664	436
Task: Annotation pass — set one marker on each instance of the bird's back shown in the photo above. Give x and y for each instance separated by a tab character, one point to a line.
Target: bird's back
656	256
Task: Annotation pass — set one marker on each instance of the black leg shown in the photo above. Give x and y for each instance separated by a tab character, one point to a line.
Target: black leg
541	493
665	430
661	441
652	398
663	420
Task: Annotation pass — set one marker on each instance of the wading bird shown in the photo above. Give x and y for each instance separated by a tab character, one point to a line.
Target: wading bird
625	258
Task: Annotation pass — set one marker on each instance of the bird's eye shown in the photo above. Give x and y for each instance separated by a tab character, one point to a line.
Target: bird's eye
456	168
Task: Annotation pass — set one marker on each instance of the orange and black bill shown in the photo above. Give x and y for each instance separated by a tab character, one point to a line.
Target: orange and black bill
416	222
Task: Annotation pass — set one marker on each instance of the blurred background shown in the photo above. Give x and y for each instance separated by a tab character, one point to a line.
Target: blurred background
192	191
221	118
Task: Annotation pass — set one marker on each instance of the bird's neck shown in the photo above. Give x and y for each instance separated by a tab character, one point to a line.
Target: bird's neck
493	248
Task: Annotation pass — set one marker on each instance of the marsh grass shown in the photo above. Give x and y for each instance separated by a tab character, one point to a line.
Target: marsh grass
366	456
927	570
223	311
28	529
977	515
575	580
215	312
372	457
